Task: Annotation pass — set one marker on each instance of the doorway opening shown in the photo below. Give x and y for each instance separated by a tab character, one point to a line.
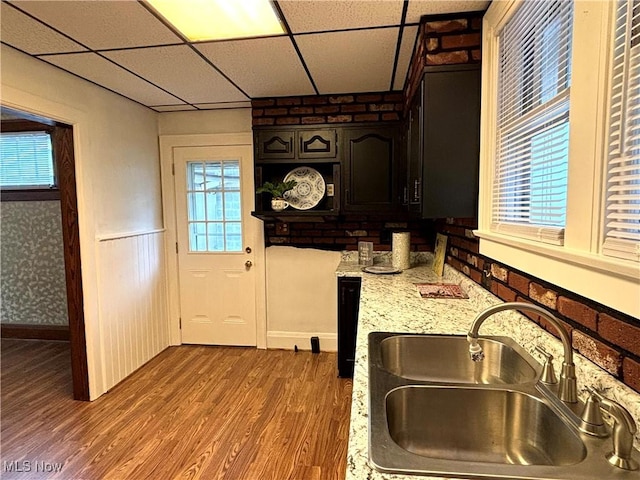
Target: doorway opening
64	189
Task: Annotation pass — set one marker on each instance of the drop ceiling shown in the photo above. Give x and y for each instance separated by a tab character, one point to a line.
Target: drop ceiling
331	47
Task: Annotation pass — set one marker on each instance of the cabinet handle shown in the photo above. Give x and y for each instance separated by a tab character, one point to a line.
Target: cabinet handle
416	190
405	195
348	195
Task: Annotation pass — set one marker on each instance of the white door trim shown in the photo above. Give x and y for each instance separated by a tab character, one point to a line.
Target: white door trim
167	144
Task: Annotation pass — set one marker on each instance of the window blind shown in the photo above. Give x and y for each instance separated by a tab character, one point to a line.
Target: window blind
622	203
534	77
26	160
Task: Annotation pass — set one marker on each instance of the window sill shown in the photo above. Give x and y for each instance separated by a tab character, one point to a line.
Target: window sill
609	281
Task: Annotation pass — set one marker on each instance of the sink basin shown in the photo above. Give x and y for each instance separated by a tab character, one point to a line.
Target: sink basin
433	411
479	425
445	359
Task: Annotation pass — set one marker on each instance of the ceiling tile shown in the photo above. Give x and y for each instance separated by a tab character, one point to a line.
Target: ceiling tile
417	8
354	61
250	62
179	70
318	16
100	24
406	49
28	35
103	72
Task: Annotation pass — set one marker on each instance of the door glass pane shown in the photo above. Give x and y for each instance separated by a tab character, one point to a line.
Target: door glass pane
196	206
216	236
195	176
214	175
214	206
197	237
232	176
233	236
232	205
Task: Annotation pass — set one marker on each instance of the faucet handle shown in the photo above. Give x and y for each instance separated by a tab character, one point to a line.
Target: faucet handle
591	421
548	372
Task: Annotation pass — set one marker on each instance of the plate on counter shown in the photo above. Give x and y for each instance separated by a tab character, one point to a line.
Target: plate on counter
381	269
309	190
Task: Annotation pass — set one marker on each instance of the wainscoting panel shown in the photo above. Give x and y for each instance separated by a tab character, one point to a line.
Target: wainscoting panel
133	302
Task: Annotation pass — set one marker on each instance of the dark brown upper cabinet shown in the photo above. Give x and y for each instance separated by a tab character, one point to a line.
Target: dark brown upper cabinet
370	164
278	144
443	143
296	144
318	143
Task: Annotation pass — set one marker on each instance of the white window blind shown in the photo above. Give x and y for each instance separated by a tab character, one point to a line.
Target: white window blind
622	209
534	76
26	160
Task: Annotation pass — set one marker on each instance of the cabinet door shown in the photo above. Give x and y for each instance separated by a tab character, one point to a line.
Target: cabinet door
348	305
451	146
414	154
275	144
370	169
317	143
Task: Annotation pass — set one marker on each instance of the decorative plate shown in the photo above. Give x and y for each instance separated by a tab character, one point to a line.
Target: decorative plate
309	190
381	269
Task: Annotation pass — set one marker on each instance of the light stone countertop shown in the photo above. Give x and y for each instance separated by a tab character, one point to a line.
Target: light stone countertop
390	303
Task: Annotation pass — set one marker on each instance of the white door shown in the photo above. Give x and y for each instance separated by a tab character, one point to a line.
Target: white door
214	198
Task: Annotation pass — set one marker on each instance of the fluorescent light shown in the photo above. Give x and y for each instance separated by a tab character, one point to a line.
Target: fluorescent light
220	19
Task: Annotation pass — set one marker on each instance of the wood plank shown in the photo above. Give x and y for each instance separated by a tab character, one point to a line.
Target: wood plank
192	412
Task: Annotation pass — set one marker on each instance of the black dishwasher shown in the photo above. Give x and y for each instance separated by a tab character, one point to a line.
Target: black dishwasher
348	303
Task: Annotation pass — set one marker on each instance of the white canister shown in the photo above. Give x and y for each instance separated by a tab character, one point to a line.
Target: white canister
401	246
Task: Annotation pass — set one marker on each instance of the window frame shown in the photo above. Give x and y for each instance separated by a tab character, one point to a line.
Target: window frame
578	265
32	194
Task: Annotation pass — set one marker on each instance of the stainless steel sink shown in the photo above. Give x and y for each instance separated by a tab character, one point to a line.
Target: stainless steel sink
445	358
474	425
433	411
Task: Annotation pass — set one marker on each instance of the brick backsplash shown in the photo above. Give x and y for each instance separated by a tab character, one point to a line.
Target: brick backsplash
327	109
346	232
609	338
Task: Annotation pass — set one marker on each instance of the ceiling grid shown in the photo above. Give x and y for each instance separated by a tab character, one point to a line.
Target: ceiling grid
329	47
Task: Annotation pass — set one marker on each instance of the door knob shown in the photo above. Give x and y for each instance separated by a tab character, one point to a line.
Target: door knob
248	264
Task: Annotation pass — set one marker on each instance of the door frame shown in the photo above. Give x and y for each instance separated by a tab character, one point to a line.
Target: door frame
167	145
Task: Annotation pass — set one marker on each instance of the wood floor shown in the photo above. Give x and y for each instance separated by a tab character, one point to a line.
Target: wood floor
191	413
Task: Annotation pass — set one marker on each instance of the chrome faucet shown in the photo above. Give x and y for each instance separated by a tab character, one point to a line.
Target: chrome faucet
567	390
624	428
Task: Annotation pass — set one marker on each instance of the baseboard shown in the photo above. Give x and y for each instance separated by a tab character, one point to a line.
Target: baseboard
289	340
34	332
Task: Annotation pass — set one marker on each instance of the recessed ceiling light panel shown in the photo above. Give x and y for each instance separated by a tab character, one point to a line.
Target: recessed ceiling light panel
201	20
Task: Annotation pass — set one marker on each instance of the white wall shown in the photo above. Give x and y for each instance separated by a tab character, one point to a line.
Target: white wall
118	182
301	297
236	120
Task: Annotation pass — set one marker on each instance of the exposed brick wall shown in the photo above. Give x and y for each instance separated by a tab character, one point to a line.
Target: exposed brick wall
444	40
607	337
344	234
327	109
